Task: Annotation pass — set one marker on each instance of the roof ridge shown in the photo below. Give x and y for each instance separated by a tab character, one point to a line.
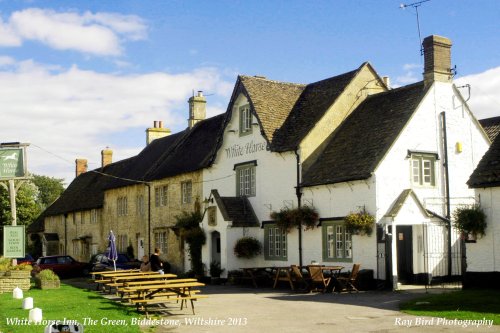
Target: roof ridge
272	81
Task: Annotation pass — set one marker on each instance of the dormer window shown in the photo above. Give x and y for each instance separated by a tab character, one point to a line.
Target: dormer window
423	170
245	120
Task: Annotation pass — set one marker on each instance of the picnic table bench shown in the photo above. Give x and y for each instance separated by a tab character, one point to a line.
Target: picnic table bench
161	293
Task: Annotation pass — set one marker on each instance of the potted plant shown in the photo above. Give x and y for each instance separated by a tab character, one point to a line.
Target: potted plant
360	223
47	279
287	218
470	221
247	248
215	272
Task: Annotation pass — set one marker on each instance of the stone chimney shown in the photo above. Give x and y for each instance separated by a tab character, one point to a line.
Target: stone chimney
106	157
437	59
197	109
156	132
81	166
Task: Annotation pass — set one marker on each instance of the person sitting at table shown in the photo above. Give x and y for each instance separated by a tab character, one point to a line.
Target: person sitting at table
145	264
155	261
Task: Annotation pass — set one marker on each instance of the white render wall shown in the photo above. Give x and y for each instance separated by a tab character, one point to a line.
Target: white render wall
275	189
484	255
423	133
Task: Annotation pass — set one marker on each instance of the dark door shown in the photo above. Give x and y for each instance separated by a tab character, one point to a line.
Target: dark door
405	253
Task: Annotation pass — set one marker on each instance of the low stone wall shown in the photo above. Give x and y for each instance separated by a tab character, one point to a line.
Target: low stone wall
7	284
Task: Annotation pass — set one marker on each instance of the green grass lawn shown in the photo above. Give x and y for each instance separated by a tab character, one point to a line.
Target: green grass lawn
68	303
462	305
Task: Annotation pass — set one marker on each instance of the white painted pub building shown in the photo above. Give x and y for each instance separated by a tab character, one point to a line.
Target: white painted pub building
346	144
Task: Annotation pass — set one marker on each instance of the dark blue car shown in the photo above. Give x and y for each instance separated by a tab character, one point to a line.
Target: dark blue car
100	262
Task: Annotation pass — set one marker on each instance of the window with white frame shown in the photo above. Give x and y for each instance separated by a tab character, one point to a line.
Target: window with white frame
337	241
122	243
161	240
161	196
245	179
423	171
245	120
140	205
121	206
275	245
186	192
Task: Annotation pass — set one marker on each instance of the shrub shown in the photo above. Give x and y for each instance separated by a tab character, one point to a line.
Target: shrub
47	275
189	228
247	247
22	267
215	269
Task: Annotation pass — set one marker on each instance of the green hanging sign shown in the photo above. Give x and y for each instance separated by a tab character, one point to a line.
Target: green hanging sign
12	163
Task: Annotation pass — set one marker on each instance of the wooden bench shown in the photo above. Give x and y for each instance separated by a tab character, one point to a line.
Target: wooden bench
142	303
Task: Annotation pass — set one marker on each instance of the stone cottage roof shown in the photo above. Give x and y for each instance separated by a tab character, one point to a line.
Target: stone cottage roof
358	145
286	111
491	127
195	151
487	172
179	153
239	210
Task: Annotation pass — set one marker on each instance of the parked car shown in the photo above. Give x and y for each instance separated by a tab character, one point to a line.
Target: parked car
27	259
62	265
100	262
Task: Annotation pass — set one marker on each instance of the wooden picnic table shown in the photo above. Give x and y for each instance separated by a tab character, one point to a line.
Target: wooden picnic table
119	281
252	273
142	277
283	274
166	291
102	279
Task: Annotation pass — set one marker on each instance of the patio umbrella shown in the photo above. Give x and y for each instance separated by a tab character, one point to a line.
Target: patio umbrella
111	253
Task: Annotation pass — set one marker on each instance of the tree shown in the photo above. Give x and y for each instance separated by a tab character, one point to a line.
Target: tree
49	189
27	208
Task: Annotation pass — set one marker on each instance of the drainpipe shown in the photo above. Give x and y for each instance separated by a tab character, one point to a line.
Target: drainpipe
298	192
447	188
149	218
65	234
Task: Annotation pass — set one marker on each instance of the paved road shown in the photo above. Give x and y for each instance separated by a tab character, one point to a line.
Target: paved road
243	309
265	310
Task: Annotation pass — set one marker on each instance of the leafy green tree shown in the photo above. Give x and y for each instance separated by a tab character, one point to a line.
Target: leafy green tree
27	207
49	189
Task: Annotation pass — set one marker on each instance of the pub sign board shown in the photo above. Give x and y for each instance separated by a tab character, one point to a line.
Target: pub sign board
12	163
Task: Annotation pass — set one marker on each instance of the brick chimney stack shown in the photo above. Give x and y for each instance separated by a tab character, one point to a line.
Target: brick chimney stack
437	59
156	132
106	157
197	109
81	166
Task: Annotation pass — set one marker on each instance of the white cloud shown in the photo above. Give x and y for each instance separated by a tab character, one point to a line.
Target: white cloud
7	36
412	73
484	99
76	113
98	34
6	61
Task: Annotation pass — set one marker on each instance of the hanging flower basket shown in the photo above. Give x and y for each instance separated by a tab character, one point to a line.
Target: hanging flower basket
360	223
287	219
247	247
470	220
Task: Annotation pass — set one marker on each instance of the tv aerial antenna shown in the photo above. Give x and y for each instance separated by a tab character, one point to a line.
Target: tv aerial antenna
416	5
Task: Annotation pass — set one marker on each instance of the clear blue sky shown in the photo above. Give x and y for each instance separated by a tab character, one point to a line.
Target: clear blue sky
77	76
